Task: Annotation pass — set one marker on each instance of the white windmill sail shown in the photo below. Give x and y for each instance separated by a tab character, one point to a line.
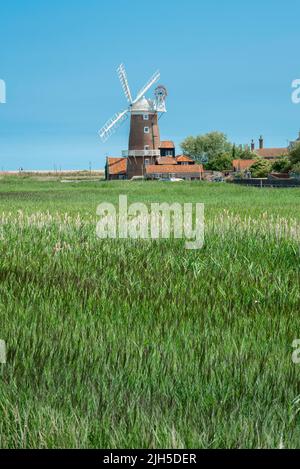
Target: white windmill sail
124	82
155	77
112	125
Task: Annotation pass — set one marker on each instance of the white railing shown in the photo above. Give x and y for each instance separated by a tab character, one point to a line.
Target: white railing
143	153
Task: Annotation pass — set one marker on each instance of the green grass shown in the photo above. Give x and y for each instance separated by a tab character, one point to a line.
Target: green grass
144	344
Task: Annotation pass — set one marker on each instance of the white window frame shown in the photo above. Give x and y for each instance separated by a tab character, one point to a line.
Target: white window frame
146	117
147	161
147	147
146	130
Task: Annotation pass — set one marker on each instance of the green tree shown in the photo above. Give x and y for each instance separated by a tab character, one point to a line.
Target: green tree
220	163
206	147
234	151
294	154
245	154
261	168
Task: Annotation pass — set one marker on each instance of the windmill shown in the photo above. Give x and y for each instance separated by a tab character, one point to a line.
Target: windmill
144	138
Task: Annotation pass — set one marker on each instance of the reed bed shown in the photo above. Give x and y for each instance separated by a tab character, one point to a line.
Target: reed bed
134	343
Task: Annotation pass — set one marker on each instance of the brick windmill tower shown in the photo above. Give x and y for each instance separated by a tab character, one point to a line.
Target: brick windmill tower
144	138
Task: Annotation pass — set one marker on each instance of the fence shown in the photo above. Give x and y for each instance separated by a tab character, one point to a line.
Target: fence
276	183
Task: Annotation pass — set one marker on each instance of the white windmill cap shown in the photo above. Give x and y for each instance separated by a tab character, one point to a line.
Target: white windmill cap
143	105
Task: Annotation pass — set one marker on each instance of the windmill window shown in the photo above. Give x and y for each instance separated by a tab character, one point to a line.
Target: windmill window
146	130
146	117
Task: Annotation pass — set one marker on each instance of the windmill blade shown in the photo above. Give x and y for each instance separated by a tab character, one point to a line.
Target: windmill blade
124	82
112	125
155	77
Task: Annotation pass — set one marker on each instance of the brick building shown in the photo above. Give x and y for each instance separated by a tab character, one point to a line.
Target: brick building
270	154
167	148
242	165
115	168
163	165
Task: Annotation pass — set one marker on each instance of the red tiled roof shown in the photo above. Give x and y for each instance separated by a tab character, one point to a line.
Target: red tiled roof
116	165
271	152
167	144
166	160
184	158
241	165
154	169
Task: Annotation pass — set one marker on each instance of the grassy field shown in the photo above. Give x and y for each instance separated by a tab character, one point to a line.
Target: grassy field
145	344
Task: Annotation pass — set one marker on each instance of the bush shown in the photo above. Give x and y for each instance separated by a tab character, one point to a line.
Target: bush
282	166
296	169
261	168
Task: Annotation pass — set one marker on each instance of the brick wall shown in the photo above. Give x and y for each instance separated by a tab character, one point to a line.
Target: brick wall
138	139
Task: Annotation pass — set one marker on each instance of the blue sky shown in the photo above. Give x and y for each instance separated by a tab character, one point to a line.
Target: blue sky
228	66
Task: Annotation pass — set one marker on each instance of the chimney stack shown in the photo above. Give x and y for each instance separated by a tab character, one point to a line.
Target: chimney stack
252	145
261	142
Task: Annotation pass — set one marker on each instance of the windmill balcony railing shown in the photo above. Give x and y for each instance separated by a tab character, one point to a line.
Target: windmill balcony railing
143	153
